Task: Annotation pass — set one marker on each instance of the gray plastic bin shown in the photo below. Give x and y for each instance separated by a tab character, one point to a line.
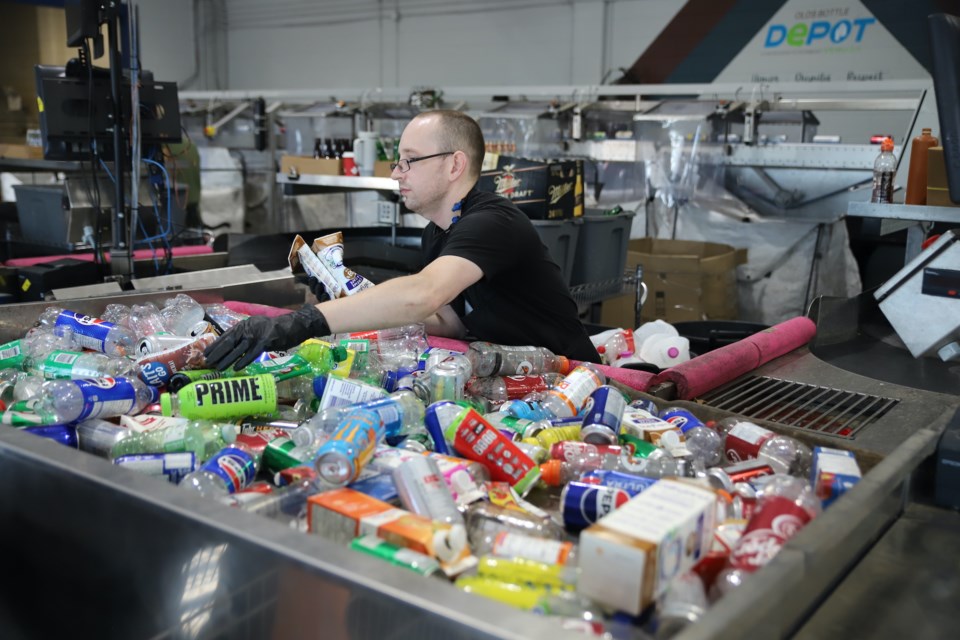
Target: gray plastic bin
602	248
561	238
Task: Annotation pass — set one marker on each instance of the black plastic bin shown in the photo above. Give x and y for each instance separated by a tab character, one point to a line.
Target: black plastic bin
602	248
561	238
707	335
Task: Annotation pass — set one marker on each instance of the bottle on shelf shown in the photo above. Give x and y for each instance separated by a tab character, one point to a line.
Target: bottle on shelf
884	171
917	176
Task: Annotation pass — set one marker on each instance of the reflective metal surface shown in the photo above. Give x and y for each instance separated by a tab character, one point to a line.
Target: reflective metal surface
853	335
119	555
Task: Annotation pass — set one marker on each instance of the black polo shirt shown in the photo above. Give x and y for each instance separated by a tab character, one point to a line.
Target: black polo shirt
522	298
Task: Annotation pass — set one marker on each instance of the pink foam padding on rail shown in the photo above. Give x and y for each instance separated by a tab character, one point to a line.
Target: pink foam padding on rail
783	338
714	368
254	309
139	254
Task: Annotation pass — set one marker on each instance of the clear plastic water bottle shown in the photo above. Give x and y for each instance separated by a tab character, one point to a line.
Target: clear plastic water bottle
181	315
145	320
40	341
65	365
704	443
27	387
91	333
401	413
568	396
485	521
684	603
884	171
490	359
228	471
117	314
223	316
72	400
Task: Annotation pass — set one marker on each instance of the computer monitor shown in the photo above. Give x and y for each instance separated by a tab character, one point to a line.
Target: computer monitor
74	111
945	45
83	20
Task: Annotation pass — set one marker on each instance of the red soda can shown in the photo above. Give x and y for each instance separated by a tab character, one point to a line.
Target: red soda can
744	440
767	531
748	470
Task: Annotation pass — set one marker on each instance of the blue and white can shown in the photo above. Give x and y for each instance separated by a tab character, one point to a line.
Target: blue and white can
681	419
628	482
437	418
583	504
603	412
647	405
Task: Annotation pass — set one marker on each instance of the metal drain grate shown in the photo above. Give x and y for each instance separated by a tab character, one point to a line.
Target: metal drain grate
803	406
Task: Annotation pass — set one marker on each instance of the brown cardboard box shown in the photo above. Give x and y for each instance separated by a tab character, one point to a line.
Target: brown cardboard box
306	165
20	152
381	169
686	281
937	192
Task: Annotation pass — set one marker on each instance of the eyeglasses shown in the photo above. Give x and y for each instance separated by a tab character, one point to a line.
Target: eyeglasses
404	165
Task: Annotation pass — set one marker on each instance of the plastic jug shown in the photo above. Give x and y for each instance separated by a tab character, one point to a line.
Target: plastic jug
365	152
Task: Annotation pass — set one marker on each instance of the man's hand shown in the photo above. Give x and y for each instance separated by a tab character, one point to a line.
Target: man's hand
242	344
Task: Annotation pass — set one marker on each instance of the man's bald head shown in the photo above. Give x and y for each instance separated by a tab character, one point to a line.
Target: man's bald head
456	131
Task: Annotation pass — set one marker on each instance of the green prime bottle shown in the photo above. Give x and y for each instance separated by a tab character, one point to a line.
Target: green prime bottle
223	398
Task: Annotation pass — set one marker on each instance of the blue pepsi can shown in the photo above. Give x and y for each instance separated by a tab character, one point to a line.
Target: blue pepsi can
603	412
681	419
617	479
583	504
65	434
647	405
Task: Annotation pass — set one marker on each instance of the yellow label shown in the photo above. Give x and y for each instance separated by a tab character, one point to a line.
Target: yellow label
39	104
343	368
26	285
523	572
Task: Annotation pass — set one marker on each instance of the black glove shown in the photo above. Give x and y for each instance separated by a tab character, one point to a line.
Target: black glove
316	287
242	344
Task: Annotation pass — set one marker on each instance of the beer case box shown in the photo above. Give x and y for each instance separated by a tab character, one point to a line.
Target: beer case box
629	557
686	280
307	165
938	194
542	189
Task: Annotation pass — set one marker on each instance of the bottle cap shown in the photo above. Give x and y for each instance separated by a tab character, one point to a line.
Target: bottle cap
449	543
229	433
166	404
550	472
564	365
887	144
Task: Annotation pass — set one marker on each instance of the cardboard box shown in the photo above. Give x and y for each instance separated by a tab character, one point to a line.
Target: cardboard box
544	190
937	192
21	152
686	280
381	169
306	165
629	557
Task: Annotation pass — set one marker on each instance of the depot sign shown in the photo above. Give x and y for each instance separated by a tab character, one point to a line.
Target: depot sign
805	34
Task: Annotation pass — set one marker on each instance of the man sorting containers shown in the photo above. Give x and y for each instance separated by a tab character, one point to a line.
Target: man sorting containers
488	276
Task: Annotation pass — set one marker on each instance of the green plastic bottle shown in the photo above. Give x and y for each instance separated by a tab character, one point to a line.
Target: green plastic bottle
224	398
189	437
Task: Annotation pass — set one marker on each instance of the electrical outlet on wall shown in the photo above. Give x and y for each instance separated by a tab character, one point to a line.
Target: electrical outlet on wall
386	212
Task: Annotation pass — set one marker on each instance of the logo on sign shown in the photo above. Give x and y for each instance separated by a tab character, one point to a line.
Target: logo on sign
809	33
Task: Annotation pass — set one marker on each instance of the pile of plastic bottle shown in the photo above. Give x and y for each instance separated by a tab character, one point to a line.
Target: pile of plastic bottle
503	469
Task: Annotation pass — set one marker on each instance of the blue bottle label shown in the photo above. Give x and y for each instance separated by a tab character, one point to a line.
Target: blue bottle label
106	397
235	467
89	332
172	466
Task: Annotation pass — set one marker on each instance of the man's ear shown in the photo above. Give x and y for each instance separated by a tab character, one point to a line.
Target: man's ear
460	165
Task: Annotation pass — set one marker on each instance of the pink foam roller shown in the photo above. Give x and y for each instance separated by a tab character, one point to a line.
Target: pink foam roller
254	309
783	338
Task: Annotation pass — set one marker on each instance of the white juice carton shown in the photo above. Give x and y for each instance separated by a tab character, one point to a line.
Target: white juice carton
628	558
